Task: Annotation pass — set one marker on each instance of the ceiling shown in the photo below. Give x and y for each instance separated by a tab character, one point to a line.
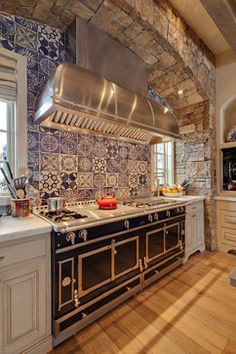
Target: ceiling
198	18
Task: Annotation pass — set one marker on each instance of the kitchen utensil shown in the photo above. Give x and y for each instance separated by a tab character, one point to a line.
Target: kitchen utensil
20	207
20	182
8	168
11	188
107	203
56	205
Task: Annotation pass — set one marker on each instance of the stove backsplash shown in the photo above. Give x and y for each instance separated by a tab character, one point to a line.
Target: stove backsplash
71	165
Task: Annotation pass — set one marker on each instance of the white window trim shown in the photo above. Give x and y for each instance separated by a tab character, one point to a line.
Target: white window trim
21	108
153	188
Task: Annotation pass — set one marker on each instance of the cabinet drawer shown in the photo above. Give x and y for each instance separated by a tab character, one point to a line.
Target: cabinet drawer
228	236
228	219
22	252
195	207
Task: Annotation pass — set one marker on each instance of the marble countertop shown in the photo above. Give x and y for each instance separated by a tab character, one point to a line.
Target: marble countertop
189	198
12	228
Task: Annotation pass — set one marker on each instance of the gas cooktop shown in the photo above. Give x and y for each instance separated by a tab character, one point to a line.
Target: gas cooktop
81	214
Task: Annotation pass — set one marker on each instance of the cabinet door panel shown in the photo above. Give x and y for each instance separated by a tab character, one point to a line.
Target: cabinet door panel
199	228
23	305
126	256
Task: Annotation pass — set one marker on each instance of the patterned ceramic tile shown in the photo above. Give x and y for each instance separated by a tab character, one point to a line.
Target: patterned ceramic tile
99	180
69	180
49	182
49	162
123	152
122	192
32	57
33	141
133	180
133	152
123	166
112	150
85	180
85	146
31	25
68	143
68	163
33	159
7	31
112	165
69	195
123	179
111	179
133	167
85	164
99	164
100	149
49	140
47	65
142	167
142	180
26	38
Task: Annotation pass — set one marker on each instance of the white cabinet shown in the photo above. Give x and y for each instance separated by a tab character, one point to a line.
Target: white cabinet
25	297
226	224
194	229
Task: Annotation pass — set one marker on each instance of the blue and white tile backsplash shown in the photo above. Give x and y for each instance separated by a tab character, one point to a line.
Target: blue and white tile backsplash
69	164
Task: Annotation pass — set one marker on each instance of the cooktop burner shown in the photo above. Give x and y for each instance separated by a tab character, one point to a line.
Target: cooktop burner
65	215
147	203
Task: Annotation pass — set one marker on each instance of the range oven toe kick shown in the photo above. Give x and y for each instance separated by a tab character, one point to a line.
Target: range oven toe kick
97	266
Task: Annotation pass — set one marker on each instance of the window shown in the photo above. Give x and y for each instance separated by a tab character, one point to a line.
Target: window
13	109
163	163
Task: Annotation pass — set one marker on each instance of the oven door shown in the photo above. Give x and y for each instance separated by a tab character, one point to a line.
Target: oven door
172	236
155	244
103	265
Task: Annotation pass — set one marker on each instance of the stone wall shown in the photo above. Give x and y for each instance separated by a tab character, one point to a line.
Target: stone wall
195	159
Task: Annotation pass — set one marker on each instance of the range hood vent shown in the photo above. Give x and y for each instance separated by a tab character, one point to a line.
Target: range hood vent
105	92
76	99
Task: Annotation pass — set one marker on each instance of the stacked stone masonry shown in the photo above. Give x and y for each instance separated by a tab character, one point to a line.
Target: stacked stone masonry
176	59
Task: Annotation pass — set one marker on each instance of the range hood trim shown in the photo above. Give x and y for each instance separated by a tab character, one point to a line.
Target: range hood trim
55	96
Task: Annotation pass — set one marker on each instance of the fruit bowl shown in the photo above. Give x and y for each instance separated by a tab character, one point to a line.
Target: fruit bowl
173	194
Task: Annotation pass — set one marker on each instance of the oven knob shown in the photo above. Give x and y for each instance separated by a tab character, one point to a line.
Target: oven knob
83	235
150	218
168	214
156	216
126	224
71	237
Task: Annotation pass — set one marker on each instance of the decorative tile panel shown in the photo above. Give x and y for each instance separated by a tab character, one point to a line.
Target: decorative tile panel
73	165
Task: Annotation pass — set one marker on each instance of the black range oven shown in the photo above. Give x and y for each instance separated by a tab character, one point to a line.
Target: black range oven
95	268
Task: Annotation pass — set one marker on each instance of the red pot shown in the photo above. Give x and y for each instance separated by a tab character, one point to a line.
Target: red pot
107	203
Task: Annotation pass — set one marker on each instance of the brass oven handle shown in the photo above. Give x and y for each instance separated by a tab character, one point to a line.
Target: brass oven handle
1	258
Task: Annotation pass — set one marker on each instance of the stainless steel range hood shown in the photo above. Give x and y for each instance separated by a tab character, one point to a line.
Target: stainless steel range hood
91	95
78	99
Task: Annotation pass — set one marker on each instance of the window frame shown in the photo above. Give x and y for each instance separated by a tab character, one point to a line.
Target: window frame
19	131
172	175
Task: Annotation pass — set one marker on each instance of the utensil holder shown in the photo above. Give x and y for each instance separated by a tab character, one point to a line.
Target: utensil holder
20	207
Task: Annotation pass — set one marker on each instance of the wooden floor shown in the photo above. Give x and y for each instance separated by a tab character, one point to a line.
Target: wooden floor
191	310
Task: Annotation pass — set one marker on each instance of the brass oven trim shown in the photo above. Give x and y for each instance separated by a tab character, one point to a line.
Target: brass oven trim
82	292
166	227
70	248
60	263
114	276
147	243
